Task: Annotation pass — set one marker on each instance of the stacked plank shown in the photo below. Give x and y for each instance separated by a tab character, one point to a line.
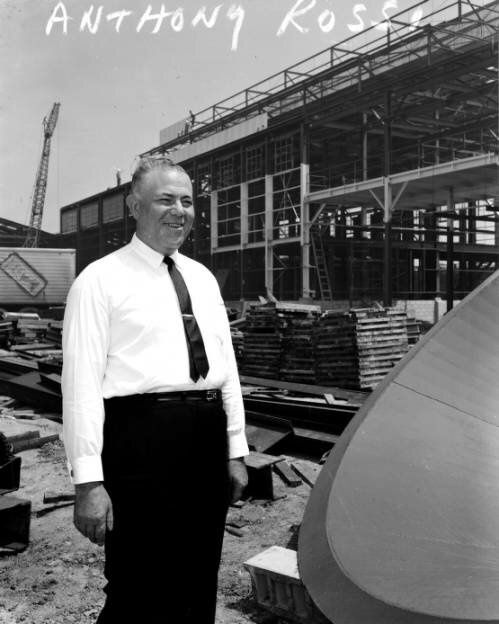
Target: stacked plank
54	332
413	331
262	342
357	349
381	342
30	330
297	356
278	341
335	350
6	331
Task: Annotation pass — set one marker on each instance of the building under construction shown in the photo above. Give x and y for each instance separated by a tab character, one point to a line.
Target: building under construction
367	172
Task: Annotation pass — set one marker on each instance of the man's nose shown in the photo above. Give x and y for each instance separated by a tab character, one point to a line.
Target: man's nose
177	207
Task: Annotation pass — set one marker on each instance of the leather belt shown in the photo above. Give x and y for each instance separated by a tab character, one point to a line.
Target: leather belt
189	395
182	395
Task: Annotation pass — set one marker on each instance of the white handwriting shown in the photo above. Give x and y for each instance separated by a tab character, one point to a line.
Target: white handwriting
54	19
236	13
292	14
298	18
87	16
119	16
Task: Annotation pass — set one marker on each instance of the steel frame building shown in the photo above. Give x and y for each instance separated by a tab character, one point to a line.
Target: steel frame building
365	172
96	225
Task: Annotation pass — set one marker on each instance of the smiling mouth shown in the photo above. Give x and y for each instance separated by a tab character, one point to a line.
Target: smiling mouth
174	226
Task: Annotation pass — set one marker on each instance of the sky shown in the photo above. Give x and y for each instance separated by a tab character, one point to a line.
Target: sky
118	89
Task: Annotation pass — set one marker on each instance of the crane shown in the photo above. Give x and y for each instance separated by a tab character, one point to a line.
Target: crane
35	223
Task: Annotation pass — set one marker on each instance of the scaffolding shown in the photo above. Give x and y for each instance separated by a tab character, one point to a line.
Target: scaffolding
386	152
447	37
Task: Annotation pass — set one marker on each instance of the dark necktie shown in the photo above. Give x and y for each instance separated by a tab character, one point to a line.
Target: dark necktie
198	362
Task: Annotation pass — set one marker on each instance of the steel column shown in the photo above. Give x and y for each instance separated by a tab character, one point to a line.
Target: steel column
387	216
305	212
269	259
387	260
450	250
214	220
244	214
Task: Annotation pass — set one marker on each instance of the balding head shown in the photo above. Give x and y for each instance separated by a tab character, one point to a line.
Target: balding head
152	163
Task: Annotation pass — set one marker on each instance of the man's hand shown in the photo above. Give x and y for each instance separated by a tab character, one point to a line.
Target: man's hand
238	478
93	511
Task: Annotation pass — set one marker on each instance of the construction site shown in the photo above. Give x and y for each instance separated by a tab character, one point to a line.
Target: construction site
348	209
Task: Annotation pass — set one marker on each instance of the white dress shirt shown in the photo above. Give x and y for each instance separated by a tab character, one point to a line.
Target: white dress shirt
123	334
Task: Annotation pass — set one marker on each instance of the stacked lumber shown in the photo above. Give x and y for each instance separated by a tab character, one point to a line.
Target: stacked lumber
262	341
29	330
54	332
6	332
381	342
297	356
278	341
335	350
357	349
413	331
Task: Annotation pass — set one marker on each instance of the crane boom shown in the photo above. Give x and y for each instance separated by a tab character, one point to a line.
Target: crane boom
35	223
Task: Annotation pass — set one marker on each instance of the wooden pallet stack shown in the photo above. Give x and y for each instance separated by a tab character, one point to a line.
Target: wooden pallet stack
335	350
381	337
262	342
413	331
297	356
358	348
278	341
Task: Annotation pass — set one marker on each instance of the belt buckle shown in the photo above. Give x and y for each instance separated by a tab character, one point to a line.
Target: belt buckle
211	395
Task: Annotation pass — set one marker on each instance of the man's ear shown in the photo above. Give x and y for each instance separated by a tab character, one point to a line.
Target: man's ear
133	205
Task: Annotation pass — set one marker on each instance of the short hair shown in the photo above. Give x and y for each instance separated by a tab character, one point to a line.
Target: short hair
149	163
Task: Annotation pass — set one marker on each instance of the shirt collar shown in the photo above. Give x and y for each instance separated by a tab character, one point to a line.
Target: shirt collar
150	255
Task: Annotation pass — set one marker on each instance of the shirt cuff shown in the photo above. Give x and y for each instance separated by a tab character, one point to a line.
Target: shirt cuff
238	447
86	469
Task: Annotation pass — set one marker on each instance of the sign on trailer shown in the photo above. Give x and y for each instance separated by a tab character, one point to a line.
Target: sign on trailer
23	274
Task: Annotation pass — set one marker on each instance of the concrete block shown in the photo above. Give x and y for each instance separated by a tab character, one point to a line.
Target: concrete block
278	588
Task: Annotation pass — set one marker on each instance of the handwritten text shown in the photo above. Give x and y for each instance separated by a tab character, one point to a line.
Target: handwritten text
299	18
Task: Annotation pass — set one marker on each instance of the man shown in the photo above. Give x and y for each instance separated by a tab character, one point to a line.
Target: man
153	413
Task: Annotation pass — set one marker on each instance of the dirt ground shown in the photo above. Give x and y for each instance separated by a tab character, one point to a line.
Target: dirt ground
58	579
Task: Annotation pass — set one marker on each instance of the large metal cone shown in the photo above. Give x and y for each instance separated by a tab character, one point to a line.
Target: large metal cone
402	526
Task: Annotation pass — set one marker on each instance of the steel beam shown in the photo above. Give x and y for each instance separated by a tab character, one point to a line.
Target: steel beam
269	257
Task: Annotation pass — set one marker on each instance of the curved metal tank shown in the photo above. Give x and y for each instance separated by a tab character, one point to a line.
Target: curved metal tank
402	526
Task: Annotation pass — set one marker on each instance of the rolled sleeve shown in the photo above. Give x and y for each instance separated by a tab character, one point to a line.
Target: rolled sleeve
85	345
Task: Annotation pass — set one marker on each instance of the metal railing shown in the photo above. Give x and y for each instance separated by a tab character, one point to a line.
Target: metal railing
351	61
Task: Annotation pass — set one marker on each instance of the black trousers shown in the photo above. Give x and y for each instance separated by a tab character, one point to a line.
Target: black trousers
165	469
